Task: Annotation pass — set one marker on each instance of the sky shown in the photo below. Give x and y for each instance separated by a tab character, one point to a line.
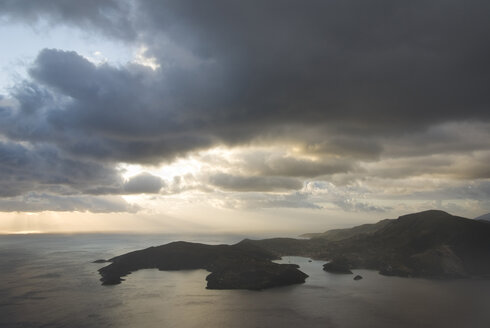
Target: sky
241	116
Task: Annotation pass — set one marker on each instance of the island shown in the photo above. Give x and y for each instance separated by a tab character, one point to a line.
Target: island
240	266
431	244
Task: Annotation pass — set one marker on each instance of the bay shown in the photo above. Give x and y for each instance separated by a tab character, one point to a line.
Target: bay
50	281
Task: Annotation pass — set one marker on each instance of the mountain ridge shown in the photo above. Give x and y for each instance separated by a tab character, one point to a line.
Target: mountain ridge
484	217
431	244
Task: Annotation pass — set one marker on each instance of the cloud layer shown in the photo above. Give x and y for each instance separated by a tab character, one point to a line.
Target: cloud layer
354	91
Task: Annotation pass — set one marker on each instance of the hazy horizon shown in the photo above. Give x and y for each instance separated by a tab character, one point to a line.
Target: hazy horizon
118	228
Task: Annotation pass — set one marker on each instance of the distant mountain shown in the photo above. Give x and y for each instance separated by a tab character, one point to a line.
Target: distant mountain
484	217
427	244
339	234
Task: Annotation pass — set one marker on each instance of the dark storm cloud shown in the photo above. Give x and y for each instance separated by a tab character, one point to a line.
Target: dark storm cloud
101	112
377	64
108	16
352	79
455	137
28	168
353	67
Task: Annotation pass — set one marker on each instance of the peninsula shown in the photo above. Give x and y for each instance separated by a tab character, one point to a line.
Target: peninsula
240	266
431	244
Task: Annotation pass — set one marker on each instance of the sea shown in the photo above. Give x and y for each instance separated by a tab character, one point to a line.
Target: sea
49	280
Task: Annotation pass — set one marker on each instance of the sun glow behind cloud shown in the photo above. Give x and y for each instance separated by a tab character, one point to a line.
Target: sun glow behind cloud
141	58
188	201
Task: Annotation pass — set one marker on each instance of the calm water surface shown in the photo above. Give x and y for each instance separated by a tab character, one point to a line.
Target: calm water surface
49	281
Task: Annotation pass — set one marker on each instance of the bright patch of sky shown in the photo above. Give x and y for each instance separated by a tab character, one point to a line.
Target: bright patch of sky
20	44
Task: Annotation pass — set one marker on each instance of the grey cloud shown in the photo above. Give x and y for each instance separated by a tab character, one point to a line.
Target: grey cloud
27	168
255	201
305	198
108	16
313	195
387	64
270	164
39	178
187	182
344	146
465	198
349	79
38	168
473	165
351	69
349	198
294	200
38	202
479	190
254	183
448	138
101	112
144	183
352	205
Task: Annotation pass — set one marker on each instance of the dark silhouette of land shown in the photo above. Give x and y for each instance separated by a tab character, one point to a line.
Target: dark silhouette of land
432	244
231	266
484	218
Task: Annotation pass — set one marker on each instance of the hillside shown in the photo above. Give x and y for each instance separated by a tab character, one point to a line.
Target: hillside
484	217
432	244
339	234
427	244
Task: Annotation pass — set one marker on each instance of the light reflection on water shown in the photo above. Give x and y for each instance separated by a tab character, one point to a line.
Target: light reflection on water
49	280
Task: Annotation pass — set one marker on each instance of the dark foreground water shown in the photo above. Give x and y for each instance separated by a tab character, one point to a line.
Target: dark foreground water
49	281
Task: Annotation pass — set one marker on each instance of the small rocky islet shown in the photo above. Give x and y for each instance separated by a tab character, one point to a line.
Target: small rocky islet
430	244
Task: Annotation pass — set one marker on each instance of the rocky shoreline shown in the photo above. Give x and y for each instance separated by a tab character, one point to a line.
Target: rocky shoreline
430	244
231	266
